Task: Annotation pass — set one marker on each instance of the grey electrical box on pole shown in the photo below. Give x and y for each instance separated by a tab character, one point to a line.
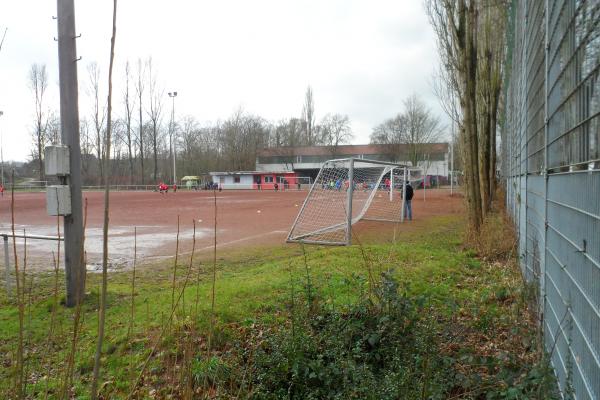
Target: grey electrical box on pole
58	200
56	160
69	122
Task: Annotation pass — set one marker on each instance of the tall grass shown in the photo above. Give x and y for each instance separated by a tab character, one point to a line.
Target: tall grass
107	144
175	265
165	326
132	313
19	381
67	373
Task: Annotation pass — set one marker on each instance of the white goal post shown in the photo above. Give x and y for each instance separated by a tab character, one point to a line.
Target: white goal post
346	191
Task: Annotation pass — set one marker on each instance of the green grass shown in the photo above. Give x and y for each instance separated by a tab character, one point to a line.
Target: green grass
253	289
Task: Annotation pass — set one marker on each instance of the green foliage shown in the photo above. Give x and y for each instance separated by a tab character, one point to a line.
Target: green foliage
290	324
387	346
348	354
210	371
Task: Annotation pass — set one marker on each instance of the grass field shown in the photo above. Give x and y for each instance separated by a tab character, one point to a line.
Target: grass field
279	310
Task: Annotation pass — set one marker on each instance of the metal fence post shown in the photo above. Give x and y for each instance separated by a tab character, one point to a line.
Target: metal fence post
349	202
6	265
403	197
392	184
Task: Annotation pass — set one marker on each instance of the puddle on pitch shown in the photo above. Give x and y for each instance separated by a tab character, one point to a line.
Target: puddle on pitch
40	253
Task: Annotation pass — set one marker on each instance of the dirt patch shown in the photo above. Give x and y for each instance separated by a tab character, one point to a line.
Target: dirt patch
245	218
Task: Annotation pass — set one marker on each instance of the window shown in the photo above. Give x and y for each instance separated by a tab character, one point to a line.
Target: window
268	179
236	179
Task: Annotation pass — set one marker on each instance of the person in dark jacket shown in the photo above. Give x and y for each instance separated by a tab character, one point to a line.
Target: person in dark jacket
408	201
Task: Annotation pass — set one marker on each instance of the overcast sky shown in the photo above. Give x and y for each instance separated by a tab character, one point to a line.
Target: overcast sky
361	57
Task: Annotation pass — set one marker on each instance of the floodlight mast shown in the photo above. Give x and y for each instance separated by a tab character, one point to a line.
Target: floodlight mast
172	95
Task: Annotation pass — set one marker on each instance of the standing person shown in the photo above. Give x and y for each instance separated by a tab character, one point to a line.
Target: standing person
174	188
408	202
338	184
258	186
387	184
1	190
276	186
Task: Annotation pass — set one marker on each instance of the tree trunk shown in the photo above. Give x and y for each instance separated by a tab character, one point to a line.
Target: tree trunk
471	143
492	166
141	143
154	148
102	311
484	151
130	153
40	146
99	154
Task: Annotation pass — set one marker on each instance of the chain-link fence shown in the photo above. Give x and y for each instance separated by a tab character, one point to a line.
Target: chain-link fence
551	164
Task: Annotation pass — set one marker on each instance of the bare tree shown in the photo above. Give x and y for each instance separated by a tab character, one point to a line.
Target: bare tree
411	129
239	139
336	130
98	114
422	127
129	106
139	87
86	149
38	83
102	316
154	113
53	128
190	142
391	132
308	115
455	24
489	83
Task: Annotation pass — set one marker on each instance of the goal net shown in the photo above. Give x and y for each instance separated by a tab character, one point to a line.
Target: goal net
294	182
344	192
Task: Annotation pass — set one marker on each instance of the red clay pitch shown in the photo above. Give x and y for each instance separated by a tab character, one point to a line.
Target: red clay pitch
244	217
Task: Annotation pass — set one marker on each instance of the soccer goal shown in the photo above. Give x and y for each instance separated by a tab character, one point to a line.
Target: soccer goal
294	182
344	192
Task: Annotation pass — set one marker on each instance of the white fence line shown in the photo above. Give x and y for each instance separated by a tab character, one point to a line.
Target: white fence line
5	237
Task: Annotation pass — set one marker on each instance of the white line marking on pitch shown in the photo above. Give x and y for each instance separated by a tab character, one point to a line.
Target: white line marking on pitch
222	244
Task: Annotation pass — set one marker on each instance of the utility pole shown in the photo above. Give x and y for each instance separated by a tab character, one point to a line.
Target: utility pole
2	154
1	114
69	122
172	95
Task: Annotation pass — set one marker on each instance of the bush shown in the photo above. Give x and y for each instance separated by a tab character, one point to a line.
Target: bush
377	349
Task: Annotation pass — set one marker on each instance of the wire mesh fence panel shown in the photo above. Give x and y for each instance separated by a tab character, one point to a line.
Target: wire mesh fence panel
342	194
551	165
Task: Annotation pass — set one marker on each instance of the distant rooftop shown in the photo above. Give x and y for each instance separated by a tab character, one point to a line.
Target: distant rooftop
248	173
349	150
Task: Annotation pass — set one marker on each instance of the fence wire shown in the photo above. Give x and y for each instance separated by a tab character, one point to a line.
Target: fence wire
551	166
